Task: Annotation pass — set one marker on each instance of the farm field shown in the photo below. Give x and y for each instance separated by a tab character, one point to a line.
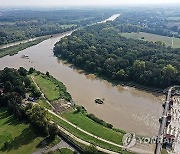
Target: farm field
154	38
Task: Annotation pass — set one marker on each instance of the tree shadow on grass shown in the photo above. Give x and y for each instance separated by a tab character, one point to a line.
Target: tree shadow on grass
26	137
47	141
4	114
12	121
9	118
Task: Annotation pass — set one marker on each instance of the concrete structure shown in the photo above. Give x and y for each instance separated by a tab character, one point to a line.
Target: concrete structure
170	124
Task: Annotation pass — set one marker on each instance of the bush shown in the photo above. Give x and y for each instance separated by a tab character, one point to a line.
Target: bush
31	70
47	73
90	150
101	122
119	130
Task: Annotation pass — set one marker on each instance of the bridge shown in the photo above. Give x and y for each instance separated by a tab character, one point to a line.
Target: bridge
165	134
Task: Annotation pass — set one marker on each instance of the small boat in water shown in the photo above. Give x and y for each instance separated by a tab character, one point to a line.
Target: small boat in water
99	101
24	56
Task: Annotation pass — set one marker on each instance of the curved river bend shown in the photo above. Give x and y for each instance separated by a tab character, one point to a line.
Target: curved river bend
125	107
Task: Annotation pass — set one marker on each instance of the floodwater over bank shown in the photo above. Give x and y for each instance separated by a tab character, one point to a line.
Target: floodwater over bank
126	108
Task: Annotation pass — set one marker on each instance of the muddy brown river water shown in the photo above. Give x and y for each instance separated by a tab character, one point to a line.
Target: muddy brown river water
125	107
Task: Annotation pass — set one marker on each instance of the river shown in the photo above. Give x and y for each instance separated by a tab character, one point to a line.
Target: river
125	107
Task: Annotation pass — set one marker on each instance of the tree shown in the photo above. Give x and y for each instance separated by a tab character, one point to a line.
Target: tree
139	66
53	130
90	149
35	93
8	87
38	72
27	82
160	43
121	73
47	73
22	71
31	70
169	73
39	117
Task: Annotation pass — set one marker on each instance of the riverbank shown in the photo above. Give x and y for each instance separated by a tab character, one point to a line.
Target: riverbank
115	82
12	50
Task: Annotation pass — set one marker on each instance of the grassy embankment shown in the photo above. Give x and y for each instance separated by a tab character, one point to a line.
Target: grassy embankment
82	121
84	136
154	38
52	88
21	137
12	50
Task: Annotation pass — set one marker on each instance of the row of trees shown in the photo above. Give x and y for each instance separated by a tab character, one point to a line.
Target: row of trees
102	50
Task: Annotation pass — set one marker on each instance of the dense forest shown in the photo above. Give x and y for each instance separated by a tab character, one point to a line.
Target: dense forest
17	25
102	50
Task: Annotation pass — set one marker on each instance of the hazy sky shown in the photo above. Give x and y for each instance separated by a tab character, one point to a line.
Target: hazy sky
60	3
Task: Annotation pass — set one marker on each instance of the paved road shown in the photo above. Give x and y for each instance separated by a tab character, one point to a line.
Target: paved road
61	144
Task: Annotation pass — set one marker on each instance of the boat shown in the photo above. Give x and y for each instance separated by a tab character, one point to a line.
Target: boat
99	101
24	56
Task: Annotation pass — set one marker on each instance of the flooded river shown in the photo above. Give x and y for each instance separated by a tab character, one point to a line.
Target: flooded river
127	108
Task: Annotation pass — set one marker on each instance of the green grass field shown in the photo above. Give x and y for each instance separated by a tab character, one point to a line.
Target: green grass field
84	136
66	151
21	137
49	88
16	48
154	38
82	121
52	88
